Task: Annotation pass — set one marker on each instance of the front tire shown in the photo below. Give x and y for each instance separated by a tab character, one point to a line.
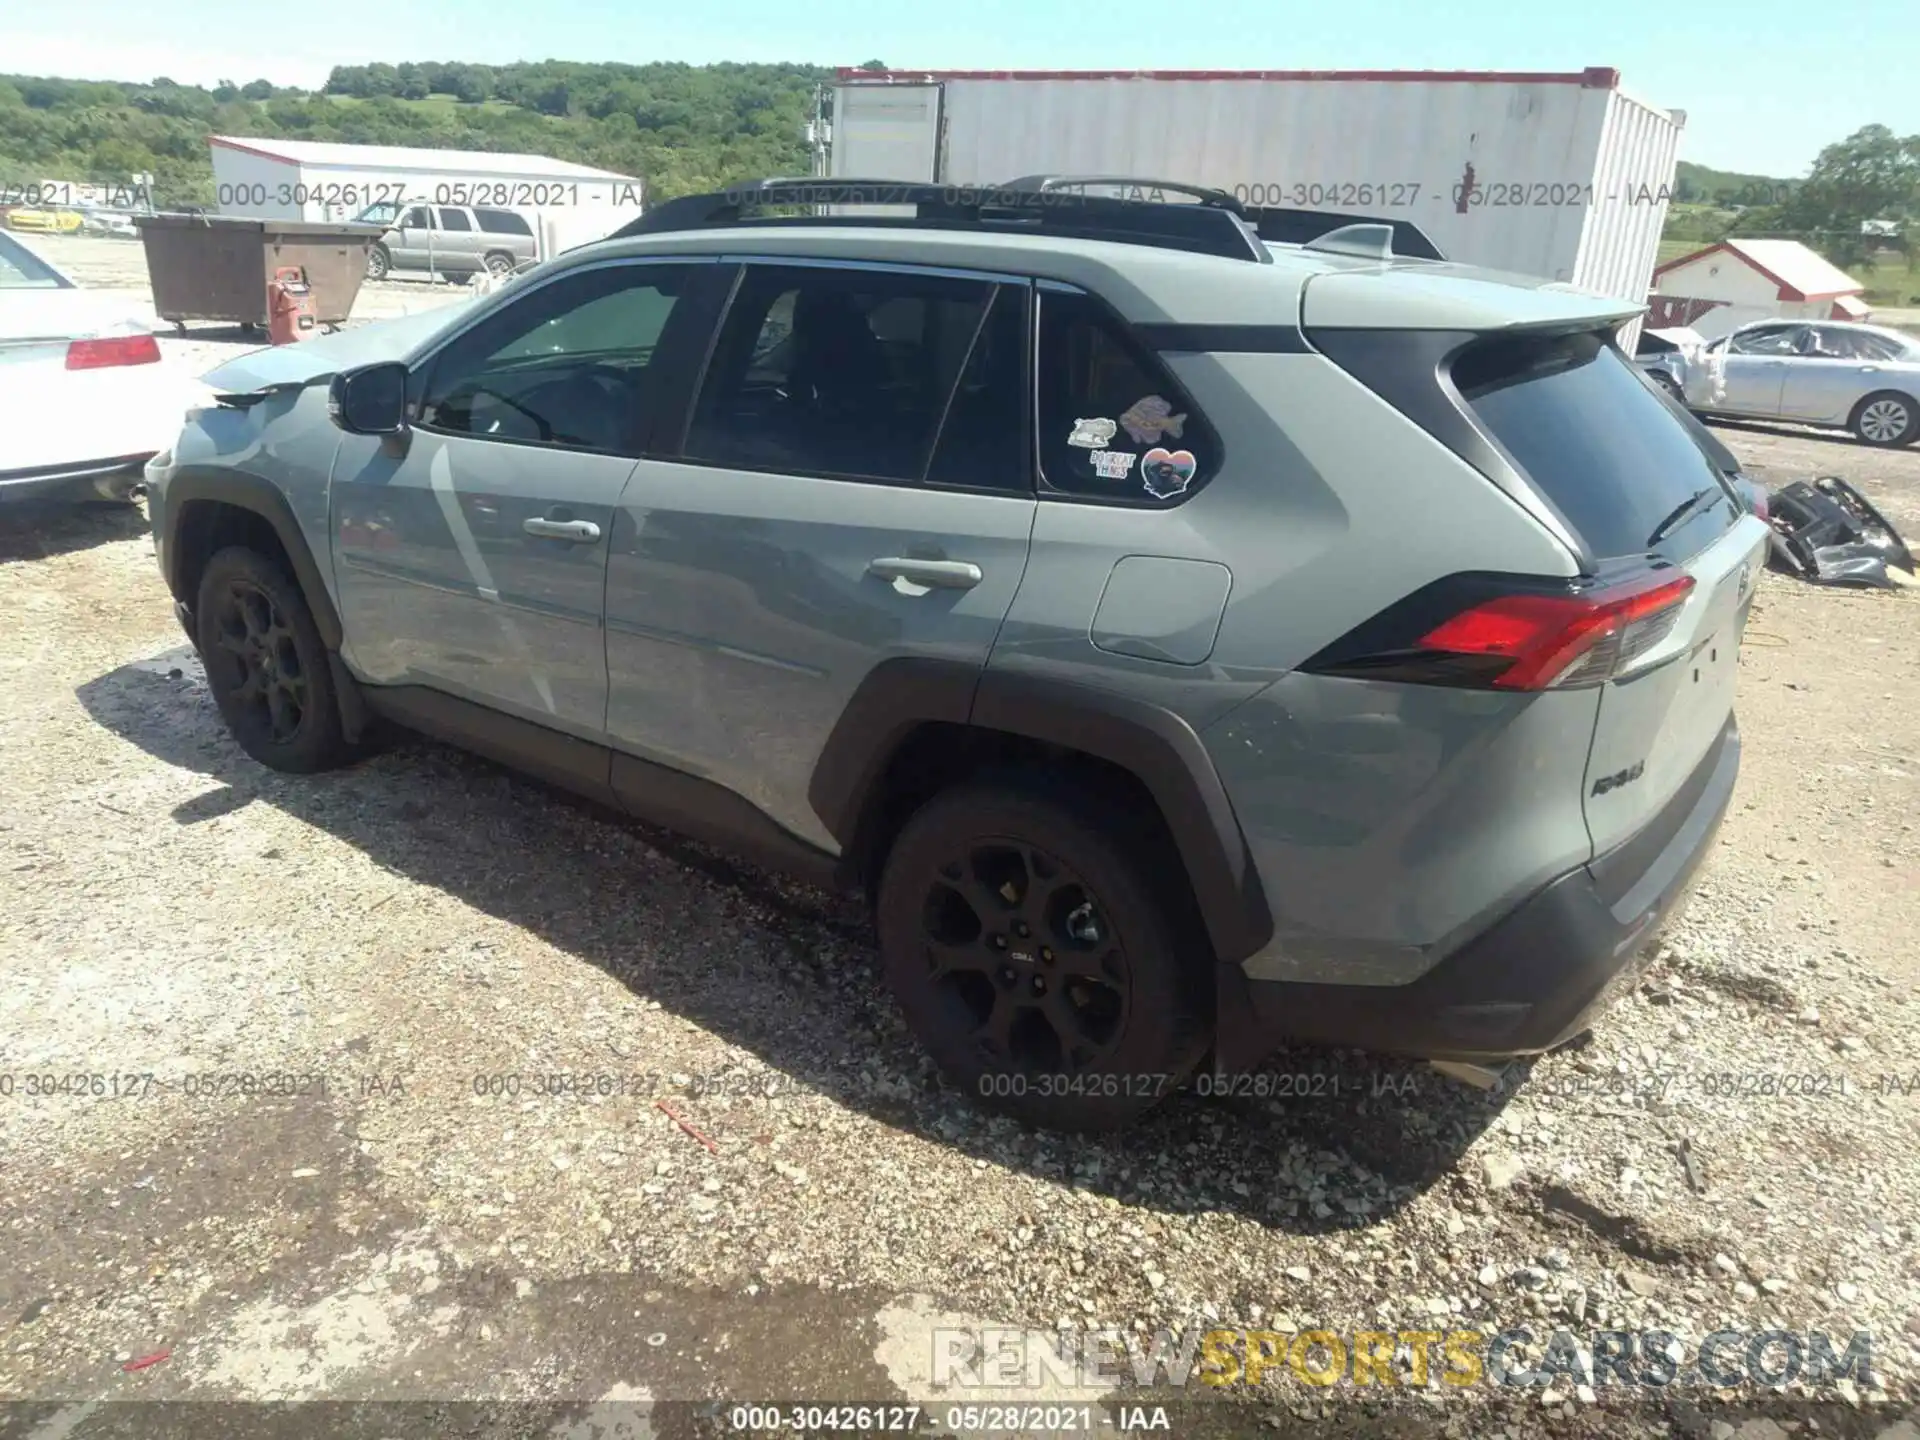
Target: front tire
266	664
1036	952
1886	419
379	263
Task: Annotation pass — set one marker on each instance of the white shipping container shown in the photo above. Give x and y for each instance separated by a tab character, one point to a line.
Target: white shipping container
1558	175
565	204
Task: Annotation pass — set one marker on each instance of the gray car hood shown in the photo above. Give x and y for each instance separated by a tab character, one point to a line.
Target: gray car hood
397	339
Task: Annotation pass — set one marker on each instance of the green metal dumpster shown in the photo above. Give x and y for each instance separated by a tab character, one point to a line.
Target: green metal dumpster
216	267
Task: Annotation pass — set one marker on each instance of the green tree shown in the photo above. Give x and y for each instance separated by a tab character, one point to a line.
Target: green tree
678	127
1873	174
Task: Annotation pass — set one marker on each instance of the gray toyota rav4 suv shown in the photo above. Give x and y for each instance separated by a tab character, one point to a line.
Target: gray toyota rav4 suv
1194	628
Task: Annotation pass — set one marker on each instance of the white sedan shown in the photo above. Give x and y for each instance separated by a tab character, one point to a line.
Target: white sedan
85	397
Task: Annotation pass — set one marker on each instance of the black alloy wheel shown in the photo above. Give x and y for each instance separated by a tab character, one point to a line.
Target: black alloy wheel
259	659
1038	942
266	664
1018	944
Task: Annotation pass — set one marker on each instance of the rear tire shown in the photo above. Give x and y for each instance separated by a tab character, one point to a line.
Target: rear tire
1886	419
1080	1002
266	664
499	264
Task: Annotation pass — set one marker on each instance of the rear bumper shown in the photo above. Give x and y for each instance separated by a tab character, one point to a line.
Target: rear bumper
1528	983
113	478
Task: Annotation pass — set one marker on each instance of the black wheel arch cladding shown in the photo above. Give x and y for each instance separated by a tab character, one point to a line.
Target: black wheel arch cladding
1157	747
194	485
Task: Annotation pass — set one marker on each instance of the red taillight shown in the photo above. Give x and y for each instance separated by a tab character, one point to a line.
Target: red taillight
113	350
1551	640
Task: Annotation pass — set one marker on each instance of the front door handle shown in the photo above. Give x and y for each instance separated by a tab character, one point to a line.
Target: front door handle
579	531
934	574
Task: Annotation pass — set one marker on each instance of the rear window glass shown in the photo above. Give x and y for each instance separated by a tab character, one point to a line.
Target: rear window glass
1589	434
21	269
502	222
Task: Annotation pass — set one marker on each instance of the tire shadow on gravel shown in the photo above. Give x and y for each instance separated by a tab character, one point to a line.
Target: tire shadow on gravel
1319	1141
42	529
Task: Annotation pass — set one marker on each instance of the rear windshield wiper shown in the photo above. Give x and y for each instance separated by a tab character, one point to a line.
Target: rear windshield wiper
1682	512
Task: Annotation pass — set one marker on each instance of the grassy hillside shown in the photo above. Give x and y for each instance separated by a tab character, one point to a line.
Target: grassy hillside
682	128
1700	184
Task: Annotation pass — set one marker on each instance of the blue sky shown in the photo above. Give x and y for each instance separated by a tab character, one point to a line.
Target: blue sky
1765	83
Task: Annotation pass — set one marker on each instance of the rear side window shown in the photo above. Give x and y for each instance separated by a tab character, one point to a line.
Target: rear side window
838	371
1587	432
1113	425
502	222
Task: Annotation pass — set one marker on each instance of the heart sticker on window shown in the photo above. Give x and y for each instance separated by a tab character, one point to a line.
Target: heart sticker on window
1166	472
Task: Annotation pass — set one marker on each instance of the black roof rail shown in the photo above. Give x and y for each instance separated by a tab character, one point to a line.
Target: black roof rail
1302	227
1078	184
1206	229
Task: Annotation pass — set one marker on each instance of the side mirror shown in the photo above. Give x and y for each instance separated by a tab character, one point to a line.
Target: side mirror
371	400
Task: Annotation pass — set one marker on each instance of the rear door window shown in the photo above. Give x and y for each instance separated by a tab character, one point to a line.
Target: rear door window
451	219
1592	438
843	372
1113	424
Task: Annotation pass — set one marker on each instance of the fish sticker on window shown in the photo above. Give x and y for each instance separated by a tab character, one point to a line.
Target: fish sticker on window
1092	434
1112	464
1166	473
1150	419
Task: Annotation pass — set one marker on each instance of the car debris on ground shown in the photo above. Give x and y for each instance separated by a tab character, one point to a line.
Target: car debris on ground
1827	532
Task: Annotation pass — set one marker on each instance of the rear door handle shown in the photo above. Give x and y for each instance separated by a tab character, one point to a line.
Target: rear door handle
934	574
579	531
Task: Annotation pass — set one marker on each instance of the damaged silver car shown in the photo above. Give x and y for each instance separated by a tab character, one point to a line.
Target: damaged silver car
1862	378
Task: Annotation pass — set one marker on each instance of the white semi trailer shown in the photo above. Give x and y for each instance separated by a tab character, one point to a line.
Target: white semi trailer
1561	175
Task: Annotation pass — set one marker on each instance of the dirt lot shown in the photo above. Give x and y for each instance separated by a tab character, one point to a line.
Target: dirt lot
329	1172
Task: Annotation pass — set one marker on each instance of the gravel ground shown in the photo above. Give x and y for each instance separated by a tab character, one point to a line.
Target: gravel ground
778	1200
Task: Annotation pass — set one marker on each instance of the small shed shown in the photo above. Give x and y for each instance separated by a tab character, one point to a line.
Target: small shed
1739	280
